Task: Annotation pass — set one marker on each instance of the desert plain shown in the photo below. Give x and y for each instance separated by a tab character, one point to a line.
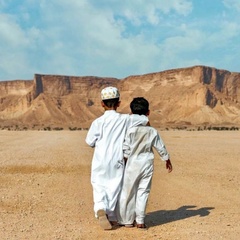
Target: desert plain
46	192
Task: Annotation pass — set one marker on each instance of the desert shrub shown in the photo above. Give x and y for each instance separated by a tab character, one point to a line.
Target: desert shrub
73	128
58	128
90	103
234	128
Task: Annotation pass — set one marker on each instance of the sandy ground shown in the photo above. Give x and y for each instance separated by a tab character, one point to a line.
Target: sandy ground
46	191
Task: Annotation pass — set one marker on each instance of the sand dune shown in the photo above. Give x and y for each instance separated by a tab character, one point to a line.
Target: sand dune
46	191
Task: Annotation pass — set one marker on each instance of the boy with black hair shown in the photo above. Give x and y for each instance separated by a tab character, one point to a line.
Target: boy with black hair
107	134
138	152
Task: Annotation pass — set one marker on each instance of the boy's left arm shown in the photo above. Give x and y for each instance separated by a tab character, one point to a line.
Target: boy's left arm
161	149
169	165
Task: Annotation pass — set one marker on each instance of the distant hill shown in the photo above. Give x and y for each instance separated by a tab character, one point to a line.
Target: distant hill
186	97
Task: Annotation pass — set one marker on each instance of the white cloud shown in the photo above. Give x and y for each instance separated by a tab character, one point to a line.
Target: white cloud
224	33
233	4
13	43
82	36
140	12
11	32
109	37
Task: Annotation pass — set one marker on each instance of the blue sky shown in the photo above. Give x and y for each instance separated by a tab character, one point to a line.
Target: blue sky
112	38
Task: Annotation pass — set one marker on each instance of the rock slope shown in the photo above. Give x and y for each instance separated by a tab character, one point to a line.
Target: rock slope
194	96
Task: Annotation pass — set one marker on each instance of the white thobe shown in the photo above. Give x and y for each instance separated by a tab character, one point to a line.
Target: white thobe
107	134
138	148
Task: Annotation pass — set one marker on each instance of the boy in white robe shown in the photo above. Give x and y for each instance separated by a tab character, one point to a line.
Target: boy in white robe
107	134
138	152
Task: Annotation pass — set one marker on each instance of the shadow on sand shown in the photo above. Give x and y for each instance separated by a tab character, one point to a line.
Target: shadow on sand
165	216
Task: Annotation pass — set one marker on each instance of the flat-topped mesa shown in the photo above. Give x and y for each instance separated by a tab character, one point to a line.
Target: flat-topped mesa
196	95
15	87
222	81
58	85
52	85
185	76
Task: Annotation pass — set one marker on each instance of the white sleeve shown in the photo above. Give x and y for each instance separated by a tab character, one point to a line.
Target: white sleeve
126	146
92	135
160	147
136	120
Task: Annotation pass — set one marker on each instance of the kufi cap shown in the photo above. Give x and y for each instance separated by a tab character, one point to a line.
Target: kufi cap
110	93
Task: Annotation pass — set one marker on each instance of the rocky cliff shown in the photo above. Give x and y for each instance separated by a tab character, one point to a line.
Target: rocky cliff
194	96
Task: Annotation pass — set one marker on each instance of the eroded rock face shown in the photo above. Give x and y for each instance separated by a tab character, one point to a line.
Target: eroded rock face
194	96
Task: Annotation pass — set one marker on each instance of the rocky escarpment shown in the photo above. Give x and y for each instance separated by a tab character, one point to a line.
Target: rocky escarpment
195	96
191	96
63	85
51	100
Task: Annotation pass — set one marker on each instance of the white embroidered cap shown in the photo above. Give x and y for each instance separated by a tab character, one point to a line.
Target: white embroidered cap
110	93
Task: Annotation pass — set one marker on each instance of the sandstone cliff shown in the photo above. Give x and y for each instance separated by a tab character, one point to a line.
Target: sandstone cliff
193	96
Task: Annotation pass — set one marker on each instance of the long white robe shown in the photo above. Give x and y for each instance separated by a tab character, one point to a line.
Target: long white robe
107	134
138	148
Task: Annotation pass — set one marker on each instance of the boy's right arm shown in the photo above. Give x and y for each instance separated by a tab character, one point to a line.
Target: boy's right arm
91	137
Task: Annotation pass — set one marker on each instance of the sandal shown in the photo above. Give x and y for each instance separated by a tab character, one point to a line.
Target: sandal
114	223
142	226
129	225
103	220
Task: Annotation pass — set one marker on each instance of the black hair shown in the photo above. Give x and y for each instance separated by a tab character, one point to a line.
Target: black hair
139	106
111	102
